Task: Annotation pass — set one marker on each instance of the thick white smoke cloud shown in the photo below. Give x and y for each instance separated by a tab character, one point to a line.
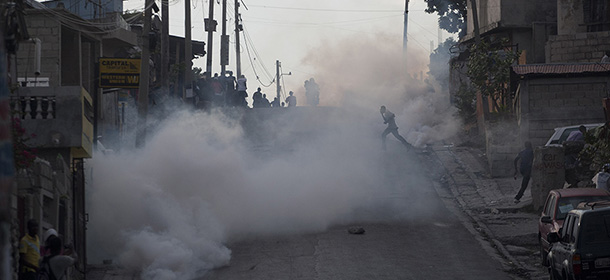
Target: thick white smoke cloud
204	180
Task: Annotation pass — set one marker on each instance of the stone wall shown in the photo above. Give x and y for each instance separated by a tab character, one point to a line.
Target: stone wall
580	47
546	103
501	147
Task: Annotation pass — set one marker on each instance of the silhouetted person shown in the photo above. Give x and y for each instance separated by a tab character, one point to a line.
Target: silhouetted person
312	92
240	97
257	97
291	100
389	119
57	263
218	90
275	103
527	158
265	102
606	57
578	135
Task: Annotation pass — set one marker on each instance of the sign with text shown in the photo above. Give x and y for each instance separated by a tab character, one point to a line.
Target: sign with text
119	72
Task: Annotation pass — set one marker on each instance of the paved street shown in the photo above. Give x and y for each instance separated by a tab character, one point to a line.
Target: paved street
417	237
442	218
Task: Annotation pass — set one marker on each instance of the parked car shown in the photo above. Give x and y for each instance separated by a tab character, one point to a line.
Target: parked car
562	133
558	203
581	249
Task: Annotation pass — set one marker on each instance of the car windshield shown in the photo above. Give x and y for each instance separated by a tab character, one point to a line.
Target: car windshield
595	230
568	203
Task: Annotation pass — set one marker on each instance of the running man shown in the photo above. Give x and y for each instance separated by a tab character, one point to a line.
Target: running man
389	119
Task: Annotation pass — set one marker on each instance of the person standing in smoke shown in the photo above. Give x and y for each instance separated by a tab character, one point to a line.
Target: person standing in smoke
312	92
290	100
240	98
257	98
389	119
526	157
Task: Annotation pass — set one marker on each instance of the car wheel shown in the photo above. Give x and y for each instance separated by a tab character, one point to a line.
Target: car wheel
543	253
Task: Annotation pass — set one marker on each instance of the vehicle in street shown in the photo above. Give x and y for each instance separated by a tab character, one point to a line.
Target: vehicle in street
581	249
558	203
562	133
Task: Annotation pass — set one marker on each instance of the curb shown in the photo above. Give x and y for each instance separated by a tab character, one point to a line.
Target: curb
450	181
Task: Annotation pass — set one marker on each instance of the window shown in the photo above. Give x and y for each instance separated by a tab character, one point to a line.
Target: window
574	231
568	203
566	230
596	230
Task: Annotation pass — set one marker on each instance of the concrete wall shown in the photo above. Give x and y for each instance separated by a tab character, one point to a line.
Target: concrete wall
48	30
512	13
581	47
570	17
547	103
65	127
501	147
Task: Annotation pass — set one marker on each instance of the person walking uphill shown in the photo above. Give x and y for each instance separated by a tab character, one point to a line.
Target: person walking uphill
527	158
389	119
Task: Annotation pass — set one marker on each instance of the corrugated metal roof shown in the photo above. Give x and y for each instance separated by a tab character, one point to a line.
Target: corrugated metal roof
571	68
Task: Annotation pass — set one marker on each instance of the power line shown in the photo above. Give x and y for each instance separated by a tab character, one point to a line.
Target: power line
326	10
283	22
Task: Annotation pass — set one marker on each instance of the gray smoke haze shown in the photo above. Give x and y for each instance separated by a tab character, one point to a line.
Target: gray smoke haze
204	180
364	73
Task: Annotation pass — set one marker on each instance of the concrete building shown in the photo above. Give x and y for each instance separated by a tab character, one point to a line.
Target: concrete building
57	97
556	83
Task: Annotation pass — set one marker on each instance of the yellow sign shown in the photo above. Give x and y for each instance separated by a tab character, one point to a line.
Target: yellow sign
119	72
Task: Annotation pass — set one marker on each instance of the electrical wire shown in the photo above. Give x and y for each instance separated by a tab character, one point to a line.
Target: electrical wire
324	10
254	68
283	22
247	37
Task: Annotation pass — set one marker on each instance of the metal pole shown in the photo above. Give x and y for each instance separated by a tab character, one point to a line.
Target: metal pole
404	34
277	79
144	72
237	49
224	42
210	38
188	50
165	46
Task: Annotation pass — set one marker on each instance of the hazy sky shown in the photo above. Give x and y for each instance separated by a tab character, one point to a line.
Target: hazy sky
289	30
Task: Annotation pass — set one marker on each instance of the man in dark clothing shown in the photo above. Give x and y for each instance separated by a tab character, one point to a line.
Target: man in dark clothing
389	119
527	158
257	98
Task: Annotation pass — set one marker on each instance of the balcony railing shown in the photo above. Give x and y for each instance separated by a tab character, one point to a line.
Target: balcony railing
33	107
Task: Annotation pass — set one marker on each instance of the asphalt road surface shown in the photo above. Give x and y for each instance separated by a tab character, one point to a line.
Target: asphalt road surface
420	236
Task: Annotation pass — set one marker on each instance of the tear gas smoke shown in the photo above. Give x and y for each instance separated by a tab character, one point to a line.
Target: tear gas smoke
204	180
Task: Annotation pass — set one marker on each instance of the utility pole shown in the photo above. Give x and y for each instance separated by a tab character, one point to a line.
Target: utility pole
404	34
277	79
224	41
188	51
144	73
165	46
237	50
211	27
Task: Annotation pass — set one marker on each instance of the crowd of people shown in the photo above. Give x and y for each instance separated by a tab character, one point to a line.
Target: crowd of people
49	260
229	91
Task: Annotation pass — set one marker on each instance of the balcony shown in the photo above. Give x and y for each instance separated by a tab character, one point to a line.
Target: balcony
61	117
